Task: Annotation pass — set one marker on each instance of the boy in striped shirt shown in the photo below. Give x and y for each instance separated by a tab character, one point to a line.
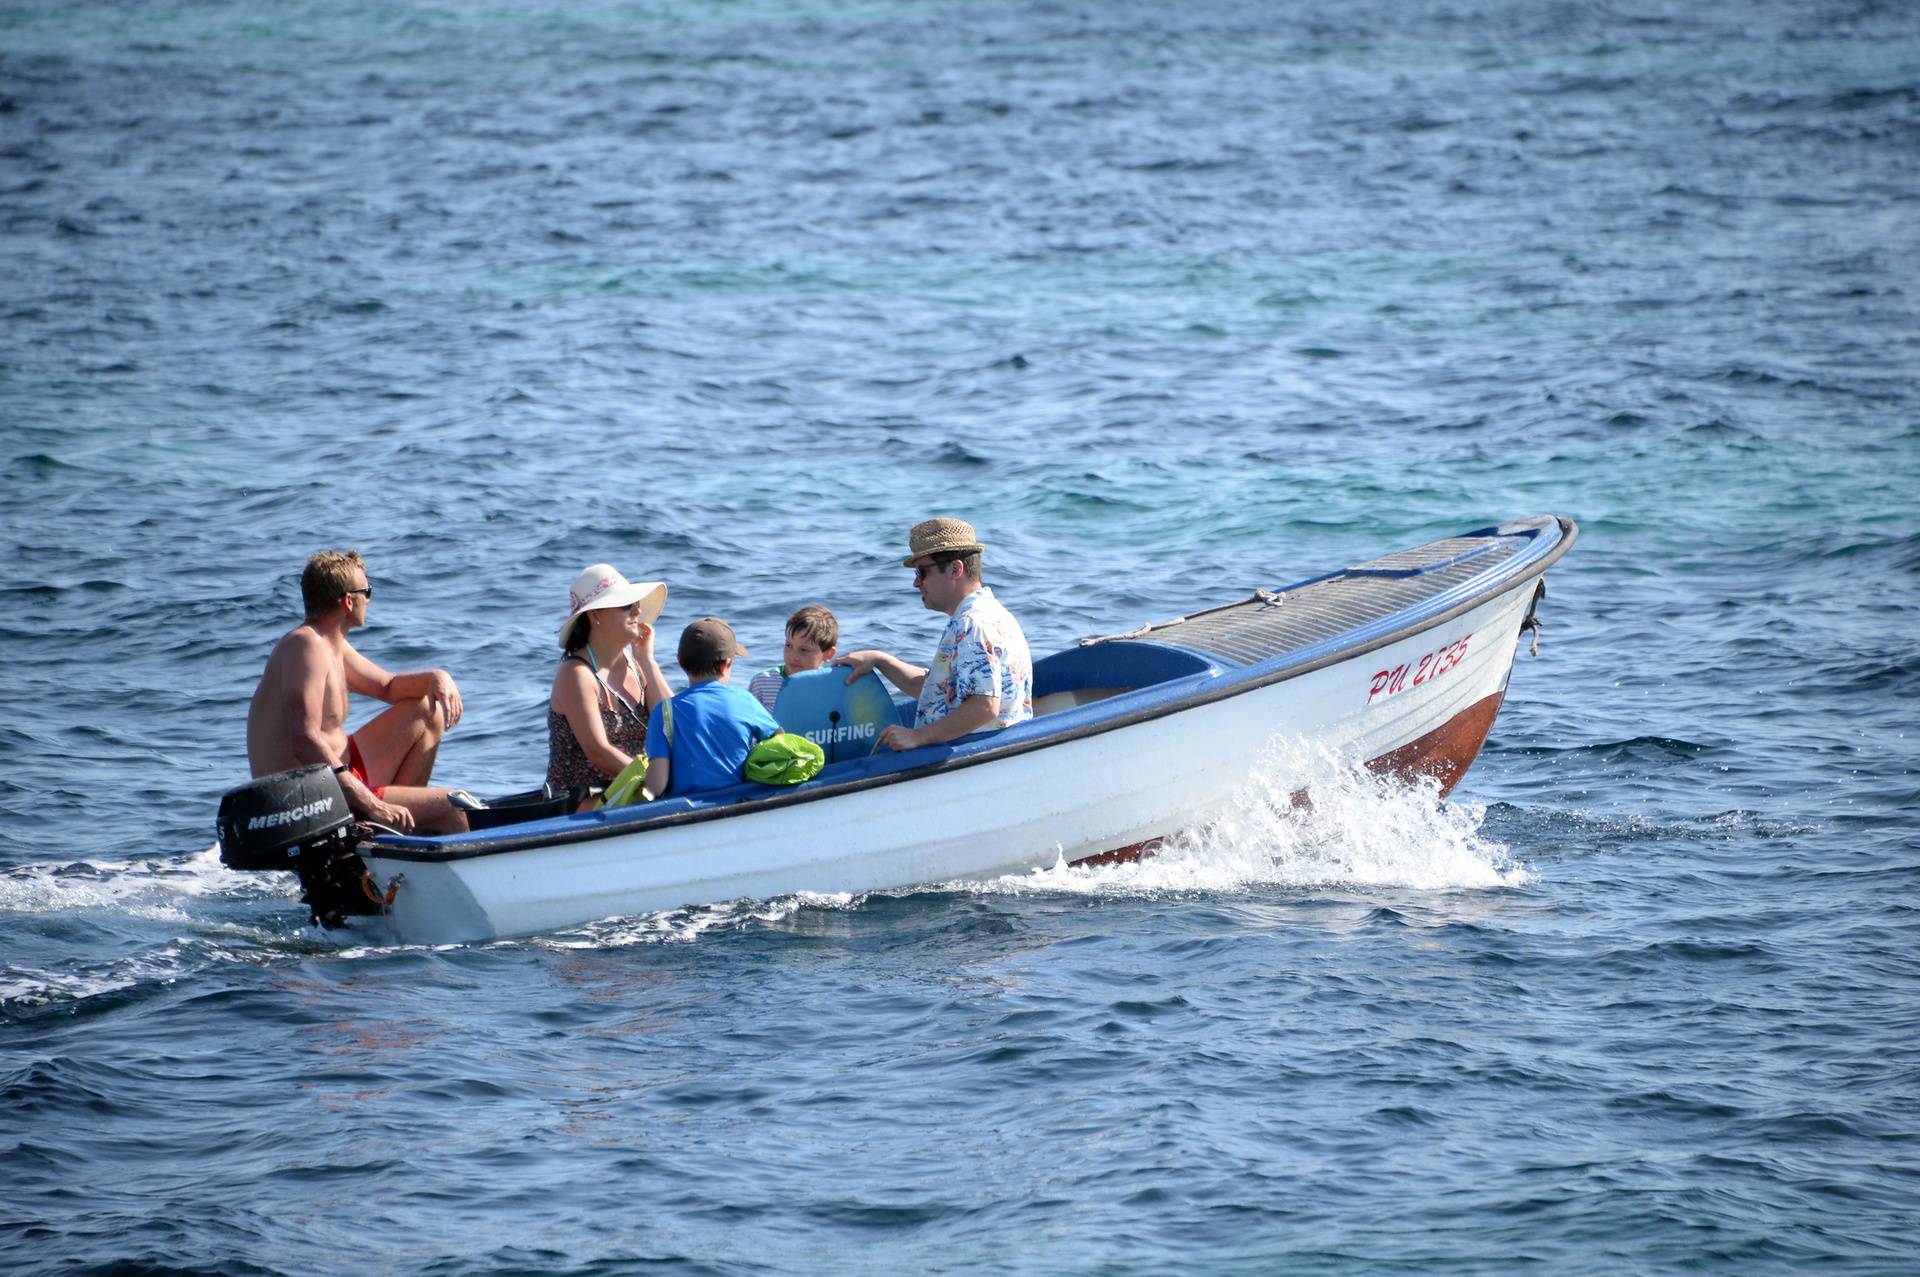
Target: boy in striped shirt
812	636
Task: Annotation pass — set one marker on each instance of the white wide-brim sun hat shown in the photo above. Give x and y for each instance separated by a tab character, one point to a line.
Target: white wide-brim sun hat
600	586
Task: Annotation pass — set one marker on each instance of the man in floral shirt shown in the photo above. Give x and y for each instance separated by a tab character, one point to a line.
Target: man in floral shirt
982	674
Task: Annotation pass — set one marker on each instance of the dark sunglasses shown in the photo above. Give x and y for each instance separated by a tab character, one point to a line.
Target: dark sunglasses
365	589
936	567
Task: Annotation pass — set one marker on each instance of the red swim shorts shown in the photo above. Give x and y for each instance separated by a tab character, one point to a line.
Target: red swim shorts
358	767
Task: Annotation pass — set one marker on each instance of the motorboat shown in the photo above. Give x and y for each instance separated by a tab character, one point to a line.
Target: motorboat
1401	662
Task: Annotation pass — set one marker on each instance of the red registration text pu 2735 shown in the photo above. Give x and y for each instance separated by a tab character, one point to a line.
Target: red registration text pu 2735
1414	673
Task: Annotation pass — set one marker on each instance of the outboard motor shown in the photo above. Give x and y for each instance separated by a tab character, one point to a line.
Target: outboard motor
264	822
299	821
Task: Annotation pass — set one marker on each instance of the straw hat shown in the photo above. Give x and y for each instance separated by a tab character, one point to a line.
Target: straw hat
600	586
940	536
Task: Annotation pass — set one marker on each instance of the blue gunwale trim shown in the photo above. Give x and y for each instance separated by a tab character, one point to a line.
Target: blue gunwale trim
1549	538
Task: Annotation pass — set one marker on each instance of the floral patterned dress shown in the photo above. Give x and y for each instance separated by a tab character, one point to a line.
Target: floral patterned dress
624	722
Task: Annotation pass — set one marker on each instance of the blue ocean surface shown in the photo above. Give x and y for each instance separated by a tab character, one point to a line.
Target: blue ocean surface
1172	302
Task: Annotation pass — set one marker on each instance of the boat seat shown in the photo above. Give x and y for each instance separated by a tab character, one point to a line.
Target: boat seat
533	804
1082	675
1072	698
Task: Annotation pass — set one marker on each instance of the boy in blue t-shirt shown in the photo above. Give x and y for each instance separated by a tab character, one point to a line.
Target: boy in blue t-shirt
700	738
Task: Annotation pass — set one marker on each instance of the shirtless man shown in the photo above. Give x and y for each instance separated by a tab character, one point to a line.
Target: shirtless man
299	711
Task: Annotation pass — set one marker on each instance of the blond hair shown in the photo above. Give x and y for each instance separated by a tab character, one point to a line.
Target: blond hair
328	577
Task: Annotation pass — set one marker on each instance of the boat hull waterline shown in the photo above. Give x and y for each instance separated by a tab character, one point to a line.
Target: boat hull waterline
1413	693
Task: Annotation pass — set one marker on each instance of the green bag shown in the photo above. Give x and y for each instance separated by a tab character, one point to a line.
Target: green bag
784	759
627	787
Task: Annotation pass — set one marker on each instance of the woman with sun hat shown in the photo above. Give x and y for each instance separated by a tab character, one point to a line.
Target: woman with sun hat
608	678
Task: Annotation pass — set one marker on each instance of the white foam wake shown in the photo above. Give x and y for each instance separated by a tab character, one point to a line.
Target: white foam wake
1356	829
155	888
161	917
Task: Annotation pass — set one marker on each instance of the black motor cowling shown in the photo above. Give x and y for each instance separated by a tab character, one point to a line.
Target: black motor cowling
264	823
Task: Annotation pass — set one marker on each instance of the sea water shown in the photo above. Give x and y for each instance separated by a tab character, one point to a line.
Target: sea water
1172	302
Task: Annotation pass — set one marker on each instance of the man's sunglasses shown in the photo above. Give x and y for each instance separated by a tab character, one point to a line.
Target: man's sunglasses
936	567
365	589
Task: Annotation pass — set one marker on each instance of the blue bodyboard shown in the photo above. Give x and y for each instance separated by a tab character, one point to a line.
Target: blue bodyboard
843	720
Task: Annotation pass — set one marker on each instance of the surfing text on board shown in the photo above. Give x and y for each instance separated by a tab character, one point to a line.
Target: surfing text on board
1414	673
843	732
